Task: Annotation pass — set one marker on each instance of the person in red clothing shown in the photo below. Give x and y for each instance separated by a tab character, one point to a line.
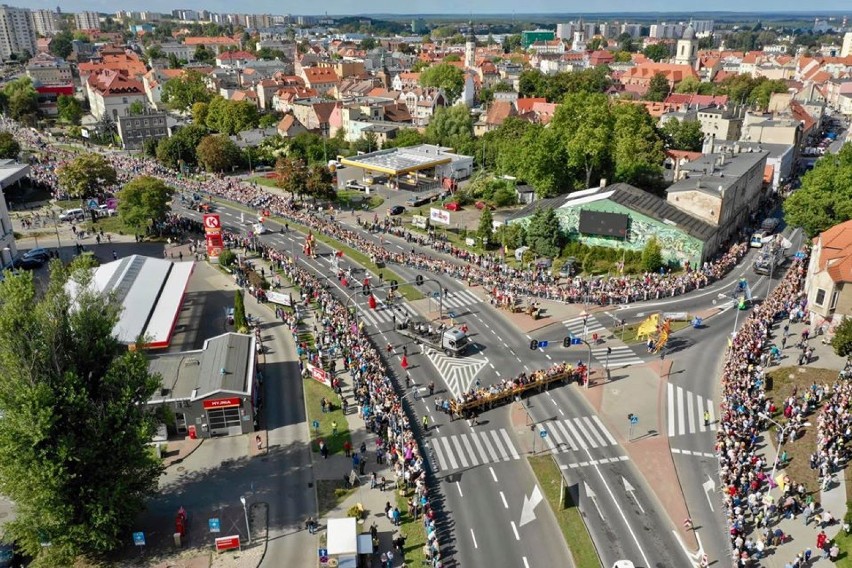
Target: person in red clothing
821	539
347	448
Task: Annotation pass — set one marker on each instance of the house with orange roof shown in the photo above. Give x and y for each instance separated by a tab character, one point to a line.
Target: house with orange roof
111	93
498	112
154	80
322	79
283	99
127	64
638	78
289	127
828	284
402	81
696	100
544	111
248	95
316	115
234	59
216	44
526	104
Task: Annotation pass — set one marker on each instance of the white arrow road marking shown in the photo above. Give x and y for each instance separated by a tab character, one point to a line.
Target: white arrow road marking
631	490
528	511
594	497
709	487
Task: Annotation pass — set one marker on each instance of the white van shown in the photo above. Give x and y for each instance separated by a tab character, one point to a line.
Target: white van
72	215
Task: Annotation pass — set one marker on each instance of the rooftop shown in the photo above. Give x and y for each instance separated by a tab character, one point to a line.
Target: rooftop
396	161
225	364
714	173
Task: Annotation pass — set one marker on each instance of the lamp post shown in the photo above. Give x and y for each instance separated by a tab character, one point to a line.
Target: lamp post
783	429
245	510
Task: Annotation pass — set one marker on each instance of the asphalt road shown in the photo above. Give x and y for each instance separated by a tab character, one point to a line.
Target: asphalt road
485	494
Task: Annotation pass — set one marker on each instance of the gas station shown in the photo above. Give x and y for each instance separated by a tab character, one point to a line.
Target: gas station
411	167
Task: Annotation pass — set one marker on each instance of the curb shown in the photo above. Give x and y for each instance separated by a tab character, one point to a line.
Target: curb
266	522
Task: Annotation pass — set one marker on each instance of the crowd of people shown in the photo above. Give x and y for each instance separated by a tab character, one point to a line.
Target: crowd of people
488	270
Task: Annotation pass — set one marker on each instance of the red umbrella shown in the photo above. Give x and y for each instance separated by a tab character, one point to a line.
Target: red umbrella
404	363
372	302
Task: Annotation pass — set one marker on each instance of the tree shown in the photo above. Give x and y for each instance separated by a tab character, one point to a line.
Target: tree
652	255
449	122
268	120
825	198
585	122
686	135
174	62
199	113
535	154
9	147
22	100
181	92
204	55
61	46
154	52
318	182
368	43
485	231
292	175
444	76
240	321
658	88
144	199
764	90
136	107
87	175
217	153
486	94
544	234
181	146
842	340
419	66
689	84
452	58
70	109
149	147
657	52
74	453
230	117
637	151
405	137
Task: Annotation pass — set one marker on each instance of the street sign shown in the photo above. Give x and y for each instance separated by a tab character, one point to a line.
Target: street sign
543	344
139	538
214	524
576	341
800	255
543	434
634	419
452	315
93	204
315	424
323	552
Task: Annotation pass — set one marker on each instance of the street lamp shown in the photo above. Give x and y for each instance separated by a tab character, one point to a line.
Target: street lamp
245	510
783	429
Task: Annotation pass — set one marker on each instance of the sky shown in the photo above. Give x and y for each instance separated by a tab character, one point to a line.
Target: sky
342	7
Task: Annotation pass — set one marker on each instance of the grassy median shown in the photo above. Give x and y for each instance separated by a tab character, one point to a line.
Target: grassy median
568	517
314	393
412	530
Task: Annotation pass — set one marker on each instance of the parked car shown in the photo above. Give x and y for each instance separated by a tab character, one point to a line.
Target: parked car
452	206
356	185
397	210
72	215
419	200
29	263
42	253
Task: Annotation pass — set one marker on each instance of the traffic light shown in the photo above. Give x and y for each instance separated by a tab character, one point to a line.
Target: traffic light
365	290
394	285
419	280
566	342
533	344
608	350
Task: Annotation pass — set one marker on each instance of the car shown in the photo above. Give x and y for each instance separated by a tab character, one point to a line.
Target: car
37	253
397	210
28	263
452	206
356	185
623	564
482	205
72	215
417	201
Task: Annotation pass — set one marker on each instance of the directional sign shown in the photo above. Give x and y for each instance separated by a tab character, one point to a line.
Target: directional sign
800	255
543	344
634	419
139	538
528	511
93	204
543	433
576	341
315	424
323	552
631	491
214	524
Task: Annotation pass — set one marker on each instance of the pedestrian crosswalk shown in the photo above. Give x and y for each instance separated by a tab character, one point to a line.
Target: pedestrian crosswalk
458	372
479	447
579	433
619	356
458	299
686	412
384	314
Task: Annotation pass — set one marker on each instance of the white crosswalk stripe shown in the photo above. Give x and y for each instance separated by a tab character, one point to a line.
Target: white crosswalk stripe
384	315
685	412
581	433
621	355
479	447
461	299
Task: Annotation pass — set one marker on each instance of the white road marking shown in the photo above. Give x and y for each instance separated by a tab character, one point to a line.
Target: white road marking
515	530
473	536
505	503
526	564
458	486
493	475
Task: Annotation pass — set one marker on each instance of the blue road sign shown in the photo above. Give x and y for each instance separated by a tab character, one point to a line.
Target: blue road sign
543	344
634	419
315	424
436	294
139	538
800	255
323	552
543	433
576	341
452	314
93	204
214	524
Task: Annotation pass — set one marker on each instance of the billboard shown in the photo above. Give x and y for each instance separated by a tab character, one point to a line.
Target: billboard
439	216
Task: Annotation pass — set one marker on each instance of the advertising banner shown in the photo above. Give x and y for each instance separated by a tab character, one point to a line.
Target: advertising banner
319	375
439	216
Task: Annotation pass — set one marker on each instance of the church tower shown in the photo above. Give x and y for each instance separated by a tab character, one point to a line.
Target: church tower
470	48
687	48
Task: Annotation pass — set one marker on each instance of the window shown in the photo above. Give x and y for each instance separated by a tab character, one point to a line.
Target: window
820	297
834	296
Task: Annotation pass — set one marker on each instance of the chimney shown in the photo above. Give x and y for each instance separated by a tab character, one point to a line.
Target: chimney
603	183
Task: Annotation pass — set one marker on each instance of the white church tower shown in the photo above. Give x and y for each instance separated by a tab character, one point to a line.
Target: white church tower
687	48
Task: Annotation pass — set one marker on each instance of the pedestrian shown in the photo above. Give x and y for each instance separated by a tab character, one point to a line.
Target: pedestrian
347	449
259	442
334	427
114	255
431	388
706	418
373	480
425	423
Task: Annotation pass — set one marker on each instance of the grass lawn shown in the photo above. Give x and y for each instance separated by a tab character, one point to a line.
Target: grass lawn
569	519
330	494
348	197
844	543
112	225
412	530
785	379
314	392
408	291
262	180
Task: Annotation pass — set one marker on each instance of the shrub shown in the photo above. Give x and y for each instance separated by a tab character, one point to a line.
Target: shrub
256	280
227	258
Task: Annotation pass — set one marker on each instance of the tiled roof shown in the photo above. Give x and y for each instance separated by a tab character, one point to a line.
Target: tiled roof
499	111
836	252
111	83
204	40
236	56
314	75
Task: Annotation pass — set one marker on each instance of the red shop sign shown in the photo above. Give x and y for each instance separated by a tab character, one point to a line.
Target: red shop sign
227	543
221	403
